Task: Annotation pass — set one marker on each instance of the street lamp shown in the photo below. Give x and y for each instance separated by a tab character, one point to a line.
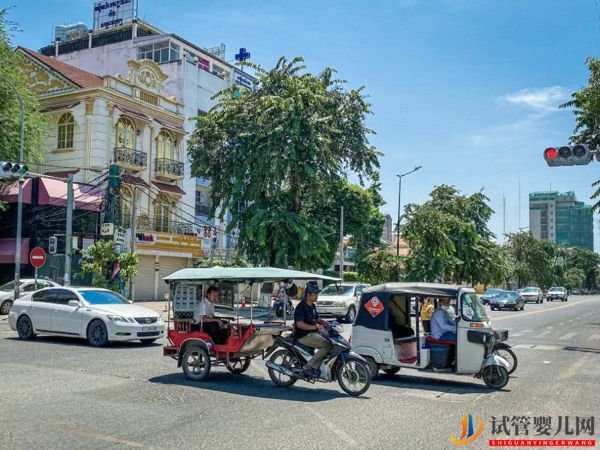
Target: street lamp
20	196
400	207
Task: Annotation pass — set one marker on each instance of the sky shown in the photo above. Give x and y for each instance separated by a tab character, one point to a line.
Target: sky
467	89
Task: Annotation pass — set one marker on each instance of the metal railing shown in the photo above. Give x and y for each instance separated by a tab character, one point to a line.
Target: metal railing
132	157
167	166
162	226
203	210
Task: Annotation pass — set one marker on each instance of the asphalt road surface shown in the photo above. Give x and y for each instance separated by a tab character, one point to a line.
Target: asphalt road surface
61	393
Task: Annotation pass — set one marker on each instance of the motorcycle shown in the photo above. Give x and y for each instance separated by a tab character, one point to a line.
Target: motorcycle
349	369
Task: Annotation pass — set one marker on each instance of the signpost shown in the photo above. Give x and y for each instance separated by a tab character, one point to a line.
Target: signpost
37	258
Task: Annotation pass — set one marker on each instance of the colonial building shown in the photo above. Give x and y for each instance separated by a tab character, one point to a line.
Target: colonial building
94	121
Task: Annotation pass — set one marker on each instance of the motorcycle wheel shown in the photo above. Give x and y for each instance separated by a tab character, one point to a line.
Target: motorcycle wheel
495	377
354	377
282	357
509	356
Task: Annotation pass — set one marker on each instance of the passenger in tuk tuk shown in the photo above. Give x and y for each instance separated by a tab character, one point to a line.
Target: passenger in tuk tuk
443	326
427	310
204	317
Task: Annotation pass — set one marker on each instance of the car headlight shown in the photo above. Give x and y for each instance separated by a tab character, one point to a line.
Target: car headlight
115	318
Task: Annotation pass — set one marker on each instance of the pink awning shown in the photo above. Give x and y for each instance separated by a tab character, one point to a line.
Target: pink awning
10	192
7	251
54	192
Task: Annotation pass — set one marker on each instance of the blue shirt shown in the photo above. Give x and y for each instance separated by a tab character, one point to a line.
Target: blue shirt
439	324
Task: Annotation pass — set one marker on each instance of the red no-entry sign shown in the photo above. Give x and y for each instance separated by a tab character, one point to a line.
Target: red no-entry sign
37	257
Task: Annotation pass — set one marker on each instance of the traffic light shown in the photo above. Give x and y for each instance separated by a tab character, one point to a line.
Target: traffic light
568	155
10	170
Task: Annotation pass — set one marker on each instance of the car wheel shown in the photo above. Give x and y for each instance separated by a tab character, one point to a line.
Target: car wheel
97	333
5	307
351	314
147	341
523	306
25	328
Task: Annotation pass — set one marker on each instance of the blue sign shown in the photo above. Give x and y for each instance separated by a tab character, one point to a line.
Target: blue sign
243	55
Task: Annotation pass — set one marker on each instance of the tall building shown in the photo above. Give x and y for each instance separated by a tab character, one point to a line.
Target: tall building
558	217
388	229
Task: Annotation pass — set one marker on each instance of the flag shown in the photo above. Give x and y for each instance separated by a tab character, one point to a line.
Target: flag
115	272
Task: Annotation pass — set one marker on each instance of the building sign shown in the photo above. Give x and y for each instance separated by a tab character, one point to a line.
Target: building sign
168	242
112	13
87	243
243	79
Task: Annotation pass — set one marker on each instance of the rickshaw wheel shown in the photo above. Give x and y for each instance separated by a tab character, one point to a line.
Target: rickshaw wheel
373	366
282	357
509	356
196	363
354	377
392	370
238	366
494	376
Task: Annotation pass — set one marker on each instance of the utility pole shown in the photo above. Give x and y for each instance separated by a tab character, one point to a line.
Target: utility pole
69	233
400	207
519	202
342	242
133	225
503	217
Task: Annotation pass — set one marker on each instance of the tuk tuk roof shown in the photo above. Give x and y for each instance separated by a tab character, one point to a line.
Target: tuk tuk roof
256	274
421	289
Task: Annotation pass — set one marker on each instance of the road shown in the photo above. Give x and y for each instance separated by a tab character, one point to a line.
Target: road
60	393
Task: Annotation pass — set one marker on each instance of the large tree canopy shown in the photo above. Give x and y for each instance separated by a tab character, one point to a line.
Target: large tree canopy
278	155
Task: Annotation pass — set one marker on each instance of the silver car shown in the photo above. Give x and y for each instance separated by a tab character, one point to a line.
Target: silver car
532	294
27	286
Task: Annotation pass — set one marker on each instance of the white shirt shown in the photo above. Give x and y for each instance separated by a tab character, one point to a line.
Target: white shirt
203	308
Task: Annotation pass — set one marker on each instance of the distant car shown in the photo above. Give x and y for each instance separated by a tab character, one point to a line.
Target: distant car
532	294
27	286
340	301
489	294
507	299
99	315
557	293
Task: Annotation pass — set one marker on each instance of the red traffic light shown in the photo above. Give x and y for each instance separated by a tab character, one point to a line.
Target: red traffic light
551	153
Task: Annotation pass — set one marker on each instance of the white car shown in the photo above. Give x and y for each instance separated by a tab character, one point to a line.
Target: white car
27	286
99	315
340	301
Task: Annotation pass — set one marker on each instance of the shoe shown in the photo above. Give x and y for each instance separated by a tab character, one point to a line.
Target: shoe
310	372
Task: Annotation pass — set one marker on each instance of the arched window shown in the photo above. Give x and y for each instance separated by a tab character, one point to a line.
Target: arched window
165	146
125	133
162	213
126	202
66	129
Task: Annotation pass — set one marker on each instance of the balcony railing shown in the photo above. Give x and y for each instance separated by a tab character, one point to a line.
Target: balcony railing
203	210
130	157
169	168
187	229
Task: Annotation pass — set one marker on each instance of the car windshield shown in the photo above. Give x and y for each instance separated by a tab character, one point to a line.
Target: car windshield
102	297
556	289
492	292
509	295
529	290
8	287
472	308
332	289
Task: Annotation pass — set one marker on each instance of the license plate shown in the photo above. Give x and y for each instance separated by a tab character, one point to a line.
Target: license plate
150	329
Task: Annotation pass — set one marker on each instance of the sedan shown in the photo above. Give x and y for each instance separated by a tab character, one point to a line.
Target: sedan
532	294
489	294
27	286
507	299
557	293
99	315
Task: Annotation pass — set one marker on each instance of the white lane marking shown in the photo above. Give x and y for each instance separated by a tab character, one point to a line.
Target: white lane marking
595	336
104	438
566	336
544	333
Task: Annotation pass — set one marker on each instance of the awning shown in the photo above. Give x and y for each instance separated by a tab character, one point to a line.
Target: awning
171	125
54	192
59	107
9	192
133	180
138	114
170	188
7	251
62	173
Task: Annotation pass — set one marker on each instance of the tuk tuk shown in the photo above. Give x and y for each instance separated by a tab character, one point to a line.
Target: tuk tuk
385	333
194	349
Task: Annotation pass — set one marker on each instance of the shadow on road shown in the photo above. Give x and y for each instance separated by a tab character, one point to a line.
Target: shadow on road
81	342
583	349
433	384
251	387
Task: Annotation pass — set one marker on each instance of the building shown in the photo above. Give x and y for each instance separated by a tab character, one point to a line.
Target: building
193	76
388	229
558	217
95	121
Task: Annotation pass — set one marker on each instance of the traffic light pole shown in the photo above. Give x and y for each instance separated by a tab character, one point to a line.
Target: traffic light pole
69	232
133	225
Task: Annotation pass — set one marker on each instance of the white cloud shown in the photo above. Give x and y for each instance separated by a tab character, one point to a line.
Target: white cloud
543	100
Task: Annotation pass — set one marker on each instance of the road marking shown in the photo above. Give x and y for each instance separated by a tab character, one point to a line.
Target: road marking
544	333
331	426
566	336
595	336
541	311
105	438
572	370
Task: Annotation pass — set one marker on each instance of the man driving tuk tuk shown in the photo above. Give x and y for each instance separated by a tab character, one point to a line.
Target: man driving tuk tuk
204	317
443	325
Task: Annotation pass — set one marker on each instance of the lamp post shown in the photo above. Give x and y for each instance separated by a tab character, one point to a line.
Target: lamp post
400	207
20	195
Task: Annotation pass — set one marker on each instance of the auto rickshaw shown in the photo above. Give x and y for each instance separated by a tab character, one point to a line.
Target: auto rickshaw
385	334
194	349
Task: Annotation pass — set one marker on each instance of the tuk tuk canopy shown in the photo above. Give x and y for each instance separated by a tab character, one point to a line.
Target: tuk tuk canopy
242	274
417	289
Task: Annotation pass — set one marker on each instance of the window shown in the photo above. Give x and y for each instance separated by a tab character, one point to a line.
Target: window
45	296
93	297
162	213
66	129
159	52
63	296
165	146
203	201
31	287
125	133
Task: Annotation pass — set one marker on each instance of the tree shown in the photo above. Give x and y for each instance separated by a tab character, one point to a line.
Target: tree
205	262
588	263
276	153
531	260
380	267
100	260
11	76
574	278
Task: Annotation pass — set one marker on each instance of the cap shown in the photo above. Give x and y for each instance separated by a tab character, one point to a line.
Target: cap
312	288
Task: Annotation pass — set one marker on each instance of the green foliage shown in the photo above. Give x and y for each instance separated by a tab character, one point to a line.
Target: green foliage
282	153
205	262
100	259
574	278
380	267
10	63
352	276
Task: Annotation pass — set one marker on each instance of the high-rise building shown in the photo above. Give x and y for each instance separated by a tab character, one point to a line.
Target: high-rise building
387	229
558	217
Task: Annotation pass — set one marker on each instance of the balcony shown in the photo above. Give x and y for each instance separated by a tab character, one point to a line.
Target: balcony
168	169
131	159
162	226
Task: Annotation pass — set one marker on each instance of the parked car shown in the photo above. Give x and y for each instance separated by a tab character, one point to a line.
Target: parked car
532	294
27	286
340	301
99	315
489	294
557	293
507	299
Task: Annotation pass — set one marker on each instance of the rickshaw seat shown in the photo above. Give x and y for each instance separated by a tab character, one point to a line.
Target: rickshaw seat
432	340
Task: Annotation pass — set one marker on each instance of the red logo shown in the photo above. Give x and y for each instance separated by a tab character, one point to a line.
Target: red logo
374	306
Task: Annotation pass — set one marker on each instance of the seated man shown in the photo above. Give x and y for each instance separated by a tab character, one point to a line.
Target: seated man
204	319
307	330
442	324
